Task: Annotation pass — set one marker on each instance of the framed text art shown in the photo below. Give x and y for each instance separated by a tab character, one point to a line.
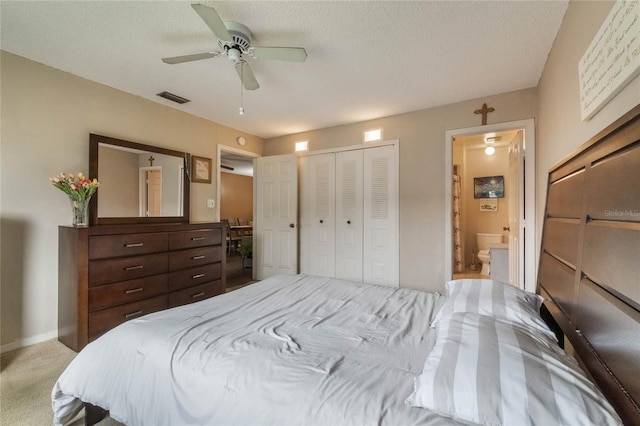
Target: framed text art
488	204
200	169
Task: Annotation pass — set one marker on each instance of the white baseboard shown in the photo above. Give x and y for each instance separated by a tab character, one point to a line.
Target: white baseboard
29	341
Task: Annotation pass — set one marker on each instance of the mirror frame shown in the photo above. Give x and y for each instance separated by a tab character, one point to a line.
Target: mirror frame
94	219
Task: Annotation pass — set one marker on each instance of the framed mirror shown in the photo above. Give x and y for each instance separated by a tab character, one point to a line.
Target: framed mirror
138	183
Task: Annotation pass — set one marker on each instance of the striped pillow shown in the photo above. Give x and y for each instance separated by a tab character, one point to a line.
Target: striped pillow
495	299
492	372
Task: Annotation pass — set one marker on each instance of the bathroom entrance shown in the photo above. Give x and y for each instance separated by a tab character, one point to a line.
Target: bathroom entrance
489	209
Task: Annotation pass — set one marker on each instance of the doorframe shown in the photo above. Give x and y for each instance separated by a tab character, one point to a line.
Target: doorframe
529	175
233	150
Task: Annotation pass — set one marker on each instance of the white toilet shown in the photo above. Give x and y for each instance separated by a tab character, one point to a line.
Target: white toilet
484	241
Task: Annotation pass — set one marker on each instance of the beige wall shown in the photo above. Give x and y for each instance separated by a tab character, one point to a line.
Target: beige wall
560	129
47	116
236	196
422	172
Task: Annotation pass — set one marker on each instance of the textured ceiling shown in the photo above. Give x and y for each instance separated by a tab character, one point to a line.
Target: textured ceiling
365	60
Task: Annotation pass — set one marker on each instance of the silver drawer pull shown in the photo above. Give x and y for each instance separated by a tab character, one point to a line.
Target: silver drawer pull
197	238
134	290
197	276
134	245
133	314
197	257
197	295
131	268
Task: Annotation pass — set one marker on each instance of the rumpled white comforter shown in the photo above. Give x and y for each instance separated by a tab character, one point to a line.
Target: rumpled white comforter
289	350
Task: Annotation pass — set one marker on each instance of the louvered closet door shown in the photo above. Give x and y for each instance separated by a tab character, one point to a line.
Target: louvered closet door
304	206
380	216
349	215
322	215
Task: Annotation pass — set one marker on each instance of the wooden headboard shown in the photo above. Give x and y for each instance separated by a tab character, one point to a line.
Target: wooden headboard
589	270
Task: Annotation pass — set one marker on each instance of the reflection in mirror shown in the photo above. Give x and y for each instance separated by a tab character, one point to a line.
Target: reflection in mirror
138	183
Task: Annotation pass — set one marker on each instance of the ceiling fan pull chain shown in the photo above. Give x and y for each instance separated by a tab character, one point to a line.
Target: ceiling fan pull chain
241	77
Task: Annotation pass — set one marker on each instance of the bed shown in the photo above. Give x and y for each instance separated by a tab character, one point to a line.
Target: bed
302	349
311	350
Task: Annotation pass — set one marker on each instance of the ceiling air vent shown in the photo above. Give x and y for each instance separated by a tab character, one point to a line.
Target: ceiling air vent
174	98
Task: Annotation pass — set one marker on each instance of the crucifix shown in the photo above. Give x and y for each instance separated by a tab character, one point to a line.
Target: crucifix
484	111
151	160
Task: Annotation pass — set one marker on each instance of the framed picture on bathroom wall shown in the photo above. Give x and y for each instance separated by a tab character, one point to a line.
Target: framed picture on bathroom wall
488	187
488	204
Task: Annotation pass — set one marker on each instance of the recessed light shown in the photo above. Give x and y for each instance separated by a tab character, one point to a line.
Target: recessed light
373	135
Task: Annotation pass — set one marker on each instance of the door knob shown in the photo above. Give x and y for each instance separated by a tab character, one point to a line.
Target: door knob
321	221
348	222
506	228
291	225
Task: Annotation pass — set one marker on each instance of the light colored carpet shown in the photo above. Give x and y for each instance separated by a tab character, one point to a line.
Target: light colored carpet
28	375
26	379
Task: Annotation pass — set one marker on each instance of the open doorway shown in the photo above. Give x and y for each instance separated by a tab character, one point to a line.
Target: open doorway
507	218
235	205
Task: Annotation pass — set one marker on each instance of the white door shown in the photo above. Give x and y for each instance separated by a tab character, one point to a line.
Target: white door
154	193
380	240
304	221
322	256
322	215
516	206
349	215
275	216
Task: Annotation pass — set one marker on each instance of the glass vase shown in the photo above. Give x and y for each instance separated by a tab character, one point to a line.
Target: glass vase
79	209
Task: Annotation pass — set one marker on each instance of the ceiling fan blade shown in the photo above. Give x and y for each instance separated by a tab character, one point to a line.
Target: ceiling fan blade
293	54
213	21
189	58
246	76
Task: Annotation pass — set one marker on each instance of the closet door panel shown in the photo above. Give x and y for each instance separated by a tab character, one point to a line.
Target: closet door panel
380	239
349	215
322	215
304	207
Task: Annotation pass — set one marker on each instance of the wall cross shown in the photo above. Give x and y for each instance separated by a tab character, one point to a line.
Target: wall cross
484	111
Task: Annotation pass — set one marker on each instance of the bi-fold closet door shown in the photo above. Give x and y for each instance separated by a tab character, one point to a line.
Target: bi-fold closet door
348	215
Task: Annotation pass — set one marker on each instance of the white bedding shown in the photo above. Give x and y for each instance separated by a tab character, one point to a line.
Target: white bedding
286	351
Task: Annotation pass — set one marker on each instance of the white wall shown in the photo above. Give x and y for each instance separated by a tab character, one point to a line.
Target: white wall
47	116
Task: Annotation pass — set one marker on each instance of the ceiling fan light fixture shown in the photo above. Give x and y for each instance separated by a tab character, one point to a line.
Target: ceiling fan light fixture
234	55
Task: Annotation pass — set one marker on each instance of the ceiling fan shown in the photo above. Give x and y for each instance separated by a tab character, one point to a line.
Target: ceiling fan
235	41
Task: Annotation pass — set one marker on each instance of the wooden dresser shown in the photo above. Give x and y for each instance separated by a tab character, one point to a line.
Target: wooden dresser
110	274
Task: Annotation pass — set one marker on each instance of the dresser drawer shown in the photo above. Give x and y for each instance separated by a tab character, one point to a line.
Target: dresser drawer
127	268
102	321
105	296
105	246
195	294
194	257
197	238
194	276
